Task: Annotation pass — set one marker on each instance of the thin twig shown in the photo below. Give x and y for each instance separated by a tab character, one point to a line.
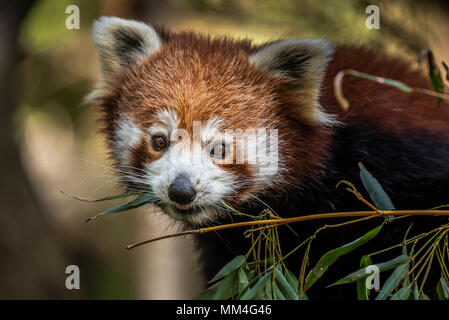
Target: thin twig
282	221
344	103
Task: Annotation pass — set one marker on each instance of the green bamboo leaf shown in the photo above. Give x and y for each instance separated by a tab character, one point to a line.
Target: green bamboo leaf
362	290
380	198
243	280
398	85
424	297
361	273
445	286
253	278
415	292
209	293
435	77
257	292
232	265
244	291
138	202
292	279
250	275
285	287
394	83
405	253
437	84
393	281
279	294
402	294
268	291
226	289
118	196
440	292
433	72
331	256
447	70
443	290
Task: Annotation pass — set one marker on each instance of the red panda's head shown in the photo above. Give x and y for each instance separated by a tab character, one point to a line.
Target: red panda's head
197	121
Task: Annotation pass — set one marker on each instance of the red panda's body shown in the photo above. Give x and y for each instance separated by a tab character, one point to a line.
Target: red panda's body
154	82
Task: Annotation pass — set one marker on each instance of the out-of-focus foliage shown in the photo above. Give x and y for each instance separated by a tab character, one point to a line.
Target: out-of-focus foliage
45	28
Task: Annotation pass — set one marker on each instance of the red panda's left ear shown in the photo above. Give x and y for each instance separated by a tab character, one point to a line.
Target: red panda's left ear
120	43
304	63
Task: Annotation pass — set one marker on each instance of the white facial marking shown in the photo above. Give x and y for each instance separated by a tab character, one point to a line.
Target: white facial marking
211	183
169	119
191	157
210	129
157	130
126	136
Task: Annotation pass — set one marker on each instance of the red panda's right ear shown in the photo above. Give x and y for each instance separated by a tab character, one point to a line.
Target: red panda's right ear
120	43
303	63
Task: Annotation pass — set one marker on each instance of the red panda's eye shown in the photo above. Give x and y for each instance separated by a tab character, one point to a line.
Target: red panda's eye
159	143
219	151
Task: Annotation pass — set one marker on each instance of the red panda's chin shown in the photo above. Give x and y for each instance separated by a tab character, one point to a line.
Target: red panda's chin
191	215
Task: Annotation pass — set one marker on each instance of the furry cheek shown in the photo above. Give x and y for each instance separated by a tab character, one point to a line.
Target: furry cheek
126	136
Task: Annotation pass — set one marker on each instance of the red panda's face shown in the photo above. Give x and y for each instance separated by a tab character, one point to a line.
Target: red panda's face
202	123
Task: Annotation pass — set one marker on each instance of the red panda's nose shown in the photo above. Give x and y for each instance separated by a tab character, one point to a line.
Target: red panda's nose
181	190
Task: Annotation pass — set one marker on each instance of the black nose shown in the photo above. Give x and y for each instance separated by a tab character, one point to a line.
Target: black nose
181	190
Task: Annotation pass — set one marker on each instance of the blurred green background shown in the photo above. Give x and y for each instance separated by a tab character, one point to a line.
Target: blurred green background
50	139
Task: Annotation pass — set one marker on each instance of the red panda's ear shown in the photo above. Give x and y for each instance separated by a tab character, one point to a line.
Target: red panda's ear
120	43
303	62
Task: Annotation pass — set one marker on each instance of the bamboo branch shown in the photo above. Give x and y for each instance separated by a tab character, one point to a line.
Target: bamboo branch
282	221
344	103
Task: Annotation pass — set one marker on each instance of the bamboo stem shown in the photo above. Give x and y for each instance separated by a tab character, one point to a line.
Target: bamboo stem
344	103
282	221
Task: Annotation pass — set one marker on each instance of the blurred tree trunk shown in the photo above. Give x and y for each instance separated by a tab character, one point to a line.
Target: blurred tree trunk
32	259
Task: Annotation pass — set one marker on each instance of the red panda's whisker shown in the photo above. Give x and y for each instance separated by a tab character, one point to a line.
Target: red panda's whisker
105	183
108	167
291	184
125	172
135	168
115	180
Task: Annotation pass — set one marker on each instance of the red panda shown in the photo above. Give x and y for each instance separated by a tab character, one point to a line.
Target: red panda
174	104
